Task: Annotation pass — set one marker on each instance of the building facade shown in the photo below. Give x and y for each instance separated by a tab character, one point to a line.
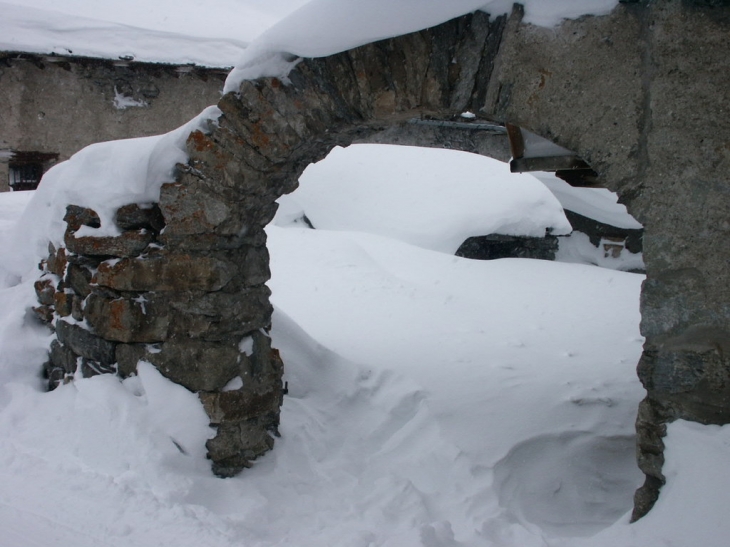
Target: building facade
53	106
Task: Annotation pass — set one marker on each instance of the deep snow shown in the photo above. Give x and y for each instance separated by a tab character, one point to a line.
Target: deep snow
435	401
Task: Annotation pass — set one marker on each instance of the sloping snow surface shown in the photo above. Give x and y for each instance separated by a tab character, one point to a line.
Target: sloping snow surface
434	401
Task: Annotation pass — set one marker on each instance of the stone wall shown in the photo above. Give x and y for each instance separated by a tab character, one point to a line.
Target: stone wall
53	104
639	94
190	301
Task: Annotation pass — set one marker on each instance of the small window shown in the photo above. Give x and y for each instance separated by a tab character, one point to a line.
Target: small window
27	168
25	176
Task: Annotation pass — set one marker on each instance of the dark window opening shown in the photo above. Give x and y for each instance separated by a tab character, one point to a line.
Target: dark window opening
26	169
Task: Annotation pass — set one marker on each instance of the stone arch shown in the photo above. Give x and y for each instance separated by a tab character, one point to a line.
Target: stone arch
636	103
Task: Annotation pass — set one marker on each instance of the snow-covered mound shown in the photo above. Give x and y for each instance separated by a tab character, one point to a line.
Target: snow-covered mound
211	33
434	199
44	31
103	177
239	20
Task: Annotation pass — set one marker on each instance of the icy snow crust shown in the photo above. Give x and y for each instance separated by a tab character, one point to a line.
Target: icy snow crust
434	401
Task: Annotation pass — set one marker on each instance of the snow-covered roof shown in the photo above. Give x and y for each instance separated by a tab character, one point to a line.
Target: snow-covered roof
212	33
215	32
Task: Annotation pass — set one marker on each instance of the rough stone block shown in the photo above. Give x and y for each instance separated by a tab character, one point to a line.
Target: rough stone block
84	343
57	261
128	355
240	405
235	445
78	279
76	217
63	357
135	216
44	290
218	315
166	273
62	302
255	268
126	245
199	366
125	320
191	211
44	313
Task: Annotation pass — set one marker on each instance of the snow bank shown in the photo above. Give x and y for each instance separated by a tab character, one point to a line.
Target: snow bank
236	20
692	506
597	203
103	177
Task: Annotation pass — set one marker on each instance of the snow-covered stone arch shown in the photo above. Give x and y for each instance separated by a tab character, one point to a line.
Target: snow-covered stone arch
634	93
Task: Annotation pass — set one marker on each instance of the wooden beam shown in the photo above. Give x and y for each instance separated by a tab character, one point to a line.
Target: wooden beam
516	142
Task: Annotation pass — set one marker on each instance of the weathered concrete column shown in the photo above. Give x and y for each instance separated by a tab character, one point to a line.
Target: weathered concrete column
643	95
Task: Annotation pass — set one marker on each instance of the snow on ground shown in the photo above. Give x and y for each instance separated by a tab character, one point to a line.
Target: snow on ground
434	401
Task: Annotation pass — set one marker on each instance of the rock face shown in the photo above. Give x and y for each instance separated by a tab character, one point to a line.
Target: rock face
639	94
493	246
